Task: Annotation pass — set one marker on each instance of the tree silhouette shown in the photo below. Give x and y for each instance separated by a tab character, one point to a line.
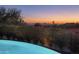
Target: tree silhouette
2	14
10	16
37	25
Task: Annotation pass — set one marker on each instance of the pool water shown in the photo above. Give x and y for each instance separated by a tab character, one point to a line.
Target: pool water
15	47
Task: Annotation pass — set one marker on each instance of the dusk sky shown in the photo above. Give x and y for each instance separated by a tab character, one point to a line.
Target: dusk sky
48	13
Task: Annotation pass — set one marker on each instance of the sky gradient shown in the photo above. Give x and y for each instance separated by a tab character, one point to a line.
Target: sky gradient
48	13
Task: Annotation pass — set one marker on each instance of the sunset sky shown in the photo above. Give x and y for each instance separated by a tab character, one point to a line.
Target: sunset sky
48	13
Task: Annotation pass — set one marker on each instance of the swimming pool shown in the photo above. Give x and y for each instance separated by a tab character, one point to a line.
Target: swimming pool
15	47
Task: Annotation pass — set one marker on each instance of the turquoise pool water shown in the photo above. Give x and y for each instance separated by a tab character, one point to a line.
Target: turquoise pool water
15	47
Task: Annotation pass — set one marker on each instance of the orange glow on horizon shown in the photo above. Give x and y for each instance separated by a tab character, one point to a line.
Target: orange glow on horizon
47	20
